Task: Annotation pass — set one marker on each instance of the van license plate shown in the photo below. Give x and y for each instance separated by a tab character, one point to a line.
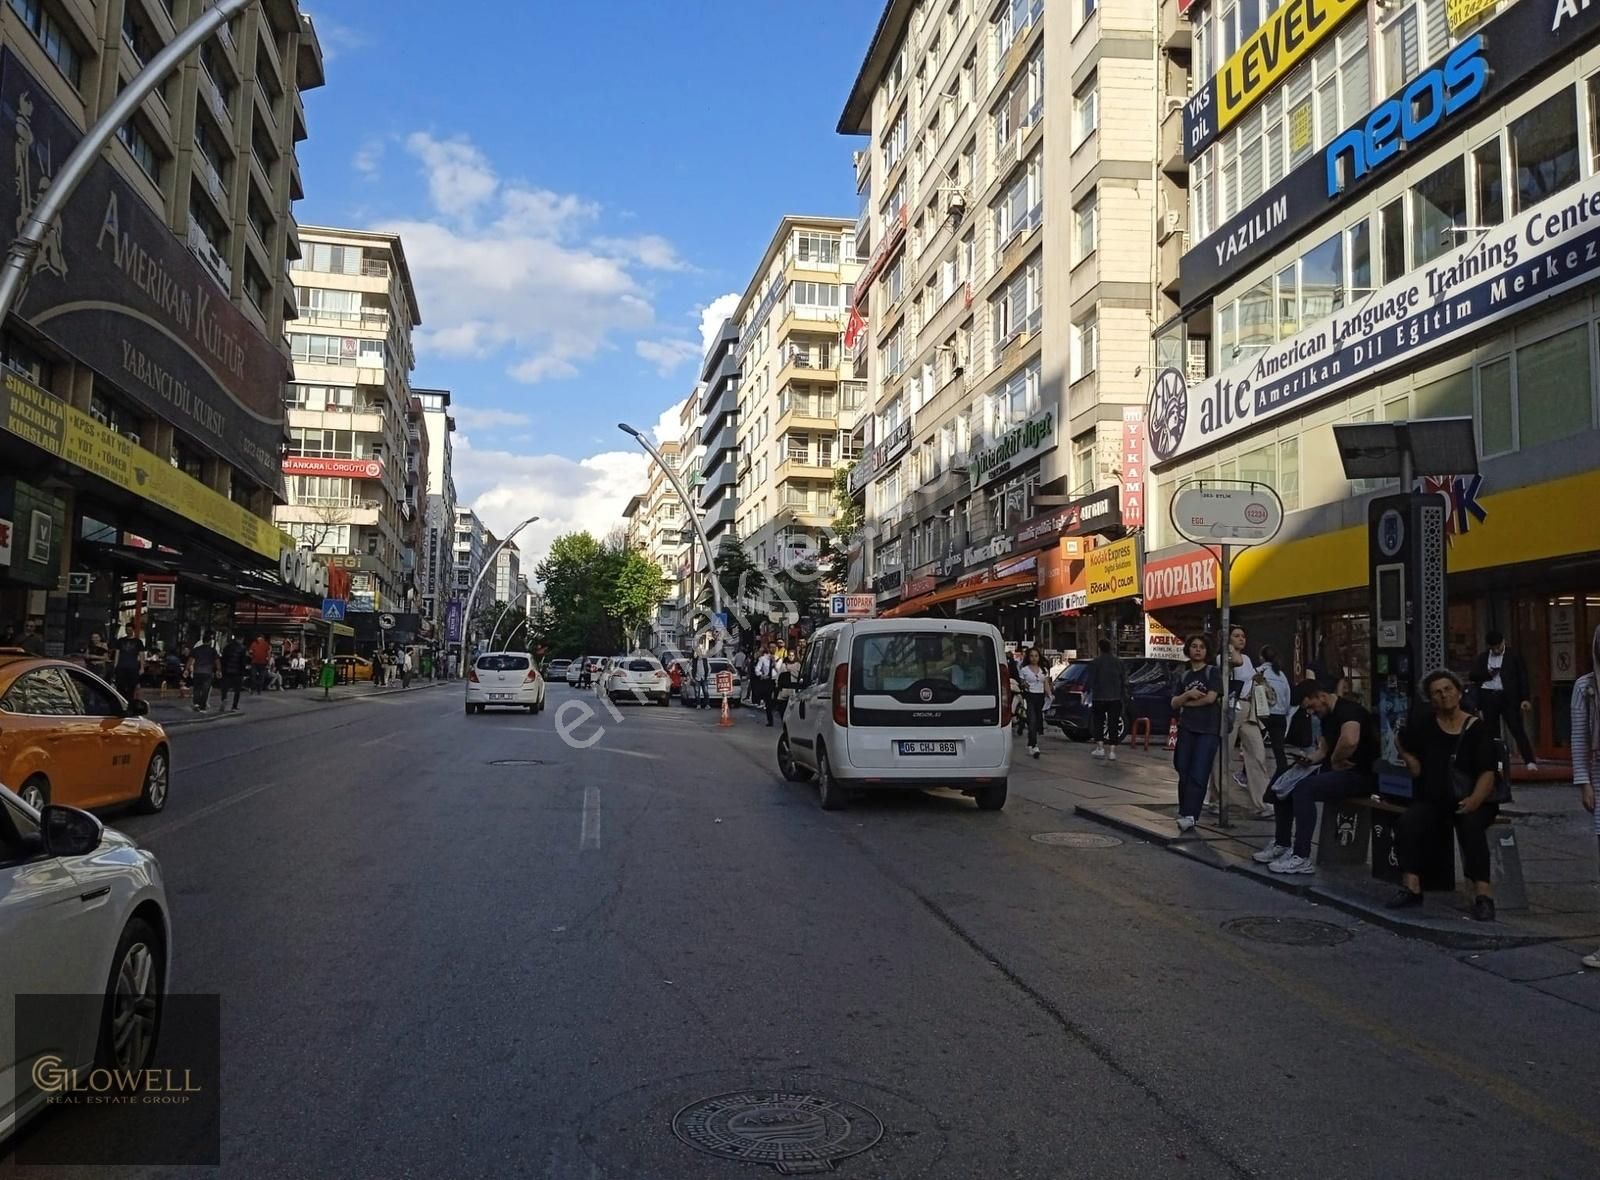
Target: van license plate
929	747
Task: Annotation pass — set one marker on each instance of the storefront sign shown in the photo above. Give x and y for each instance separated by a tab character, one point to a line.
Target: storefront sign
1460	13
350	468
5	541
852	606
1546	250
1113	571
300	572
1527	37
1021	443
880	458
1026	565
1159	643
1284	39
34	524
116	289
889	580
917	587
1132	478
67	433
1063	604
1061	578
988	550
1180	581
893	234
452	620
1097	513
1227	515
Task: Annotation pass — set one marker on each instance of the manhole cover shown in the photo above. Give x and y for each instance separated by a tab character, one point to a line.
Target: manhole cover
1076	839
516	762
794	1132
1289	931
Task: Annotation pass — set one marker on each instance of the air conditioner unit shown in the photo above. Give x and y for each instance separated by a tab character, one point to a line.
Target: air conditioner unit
1174	104
1171	223
1194	365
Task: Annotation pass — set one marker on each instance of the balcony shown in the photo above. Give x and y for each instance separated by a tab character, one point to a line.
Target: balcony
211	95
1172	249
368	319
210	180
801	367
812	514
264	104
720	516
805	416
267	46
260	172
1172	161
804	466
726	439
810	319
1177	34
199	242
863	162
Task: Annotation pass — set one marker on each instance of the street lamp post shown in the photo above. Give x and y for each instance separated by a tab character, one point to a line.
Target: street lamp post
20	256
694	517
472	595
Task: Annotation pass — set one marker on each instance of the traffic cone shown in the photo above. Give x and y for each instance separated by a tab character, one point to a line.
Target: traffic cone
1172	734
726	718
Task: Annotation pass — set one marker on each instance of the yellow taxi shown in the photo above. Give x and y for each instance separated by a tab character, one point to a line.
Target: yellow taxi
67	737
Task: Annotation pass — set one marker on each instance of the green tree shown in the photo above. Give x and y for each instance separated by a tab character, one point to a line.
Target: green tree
576	575
506	627
635	590
849	516
744	587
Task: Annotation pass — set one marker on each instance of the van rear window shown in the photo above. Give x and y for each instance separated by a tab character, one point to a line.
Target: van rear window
924	678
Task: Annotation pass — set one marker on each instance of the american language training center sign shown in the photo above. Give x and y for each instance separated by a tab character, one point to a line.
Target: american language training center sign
1545	250
1526	38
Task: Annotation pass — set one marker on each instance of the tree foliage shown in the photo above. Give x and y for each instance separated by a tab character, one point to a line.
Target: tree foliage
504	628
597	597
636	590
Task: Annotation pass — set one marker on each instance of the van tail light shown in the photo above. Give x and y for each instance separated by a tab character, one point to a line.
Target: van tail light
841	695
1005	696
472	675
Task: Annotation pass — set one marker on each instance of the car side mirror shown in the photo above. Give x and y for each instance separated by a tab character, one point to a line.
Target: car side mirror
137	709
68	831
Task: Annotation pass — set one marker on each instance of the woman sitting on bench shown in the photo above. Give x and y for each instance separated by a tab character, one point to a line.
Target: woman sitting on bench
1452	760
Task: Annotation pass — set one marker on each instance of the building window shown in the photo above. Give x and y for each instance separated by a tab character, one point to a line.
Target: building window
814	247
141	148
1085	111
1392	239
1289	473
1550	375
1288	302
1256	466
1544	150
52	38
1438	212
1085	347
1496	422
1256	326
1322	279
325	350
1084	224
1488	184
337	260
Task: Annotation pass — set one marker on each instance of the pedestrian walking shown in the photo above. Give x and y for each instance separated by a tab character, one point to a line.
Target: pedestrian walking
1346	755
1108	684
1196	692
1035	679
260	660
1248	736
128	662
203	658
32	640
785	679
1501	677
1455	771
97	656
1586	746
766	671
1279	706
233	662
379	672
701	675
405	667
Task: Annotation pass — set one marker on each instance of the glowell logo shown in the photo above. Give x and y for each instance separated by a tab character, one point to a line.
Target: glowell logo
1440	92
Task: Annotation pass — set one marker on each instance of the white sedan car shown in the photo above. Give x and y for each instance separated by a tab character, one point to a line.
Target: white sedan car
504	679
640	678
82	912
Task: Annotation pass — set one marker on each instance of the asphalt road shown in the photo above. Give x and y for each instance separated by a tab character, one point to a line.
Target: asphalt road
433	964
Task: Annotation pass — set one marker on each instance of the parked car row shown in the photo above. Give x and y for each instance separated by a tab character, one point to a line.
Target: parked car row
1149	695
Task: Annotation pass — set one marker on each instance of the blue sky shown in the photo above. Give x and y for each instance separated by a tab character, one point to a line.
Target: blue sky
575	184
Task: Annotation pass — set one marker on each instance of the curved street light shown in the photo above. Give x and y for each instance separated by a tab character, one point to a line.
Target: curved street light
694	517
472	597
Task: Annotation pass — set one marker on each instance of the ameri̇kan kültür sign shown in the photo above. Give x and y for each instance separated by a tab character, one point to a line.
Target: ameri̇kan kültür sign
1551	248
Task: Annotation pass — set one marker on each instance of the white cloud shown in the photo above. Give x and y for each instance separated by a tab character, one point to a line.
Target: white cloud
337	38
470	418
711	317
667	355
667	427
509	269
368	160
504	488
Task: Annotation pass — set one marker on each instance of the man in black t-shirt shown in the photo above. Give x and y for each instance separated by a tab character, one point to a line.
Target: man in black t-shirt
1347	752
128	662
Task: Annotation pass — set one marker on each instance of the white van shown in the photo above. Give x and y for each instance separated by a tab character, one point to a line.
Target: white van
887	703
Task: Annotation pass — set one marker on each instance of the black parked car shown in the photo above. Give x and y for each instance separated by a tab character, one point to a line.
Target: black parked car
1149	694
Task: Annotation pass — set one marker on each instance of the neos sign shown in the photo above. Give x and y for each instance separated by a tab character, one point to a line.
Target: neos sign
1234	516
298	570
1409	116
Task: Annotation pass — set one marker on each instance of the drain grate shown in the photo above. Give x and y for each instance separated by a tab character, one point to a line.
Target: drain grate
1289	931
1076	839
517	762
793	1132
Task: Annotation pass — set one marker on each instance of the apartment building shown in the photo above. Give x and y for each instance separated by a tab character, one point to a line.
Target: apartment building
1334	278
1008	196
347	464
719	438
795	408
508	579
173	410
674	620
436	560
473	543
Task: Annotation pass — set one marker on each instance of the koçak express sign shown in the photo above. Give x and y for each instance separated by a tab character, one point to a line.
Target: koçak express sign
1545	250
119	291
1113	571
1015	447
1526	38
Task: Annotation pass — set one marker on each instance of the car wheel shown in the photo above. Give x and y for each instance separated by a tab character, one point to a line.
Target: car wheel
471	709
991	798
130	1020
787	766
829	793
532	709
35	792
156	780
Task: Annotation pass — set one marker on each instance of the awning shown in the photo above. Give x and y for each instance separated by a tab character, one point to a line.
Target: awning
197	567
950	593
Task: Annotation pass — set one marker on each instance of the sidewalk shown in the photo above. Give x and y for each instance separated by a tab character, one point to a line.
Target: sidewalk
175	710
1138	794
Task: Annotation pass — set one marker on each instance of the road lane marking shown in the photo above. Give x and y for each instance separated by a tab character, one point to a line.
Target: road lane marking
590	835
202	813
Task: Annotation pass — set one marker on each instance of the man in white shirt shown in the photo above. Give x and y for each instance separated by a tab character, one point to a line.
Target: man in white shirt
766	671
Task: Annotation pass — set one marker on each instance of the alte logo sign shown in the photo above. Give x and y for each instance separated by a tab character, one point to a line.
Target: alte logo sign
1033	437
1408	117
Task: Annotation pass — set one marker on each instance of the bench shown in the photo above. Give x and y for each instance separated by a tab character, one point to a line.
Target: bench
1354	829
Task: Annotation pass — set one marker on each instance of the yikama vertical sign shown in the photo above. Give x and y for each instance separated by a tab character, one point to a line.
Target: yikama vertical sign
1132	466
116	288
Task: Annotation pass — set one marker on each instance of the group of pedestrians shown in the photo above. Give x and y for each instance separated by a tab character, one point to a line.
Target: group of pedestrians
775	674
223	667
